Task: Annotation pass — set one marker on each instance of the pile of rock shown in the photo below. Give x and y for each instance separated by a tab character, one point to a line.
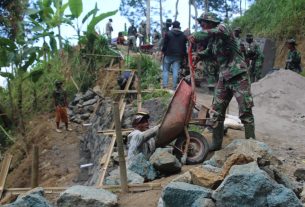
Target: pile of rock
244	174
140	169
83	105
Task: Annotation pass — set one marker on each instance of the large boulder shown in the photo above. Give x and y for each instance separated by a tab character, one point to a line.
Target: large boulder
84	196
165	162
247	185
132	178
181	194
303	194
141	166
31	198
249	147
203	202
206	176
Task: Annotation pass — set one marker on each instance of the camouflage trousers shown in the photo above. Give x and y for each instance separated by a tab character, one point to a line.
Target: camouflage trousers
255	71
239	87
210	73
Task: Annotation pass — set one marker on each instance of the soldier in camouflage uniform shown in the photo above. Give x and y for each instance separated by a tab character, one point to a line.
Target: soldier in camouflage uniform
233	76
237	32
254	58
293	61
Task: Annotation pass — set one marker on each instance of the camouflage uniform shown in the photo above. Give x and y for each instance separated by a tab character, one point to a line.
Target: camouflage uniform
233	78
293	61
254	60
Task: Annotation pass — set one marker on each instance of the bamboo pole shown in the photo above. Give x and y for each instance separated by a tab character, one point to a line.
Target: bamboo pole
35	167
119	140
139	94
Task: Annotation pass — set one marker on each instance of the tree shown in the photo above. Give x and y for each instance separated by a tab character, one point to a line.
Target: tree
176	10
12	12
133	10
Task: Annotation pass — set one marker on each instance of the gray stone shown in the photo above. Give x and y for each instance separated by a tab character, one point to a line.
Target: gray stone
141	166
84	196
247	186
88	95
185	178
300	174
77	98
85	116
203	202
132	177
89	102
89	108
32	198
303	194
165	162
250	147
181	194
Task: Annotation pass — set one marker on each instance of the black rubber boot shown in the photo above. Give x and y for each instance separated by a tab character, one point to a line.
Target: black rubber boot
217	137
249	131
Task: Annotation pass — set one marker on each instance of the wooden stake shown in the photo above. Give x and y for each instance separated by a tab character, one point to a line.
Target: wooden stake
139	95
4	171
35	167
119	140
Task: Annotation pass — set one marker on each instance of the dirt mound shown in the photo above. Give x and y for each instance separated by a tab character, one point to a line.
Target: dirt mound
281	93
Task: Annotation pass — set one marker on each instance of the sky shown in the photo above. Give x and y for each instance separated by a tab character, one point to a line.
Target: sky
119	21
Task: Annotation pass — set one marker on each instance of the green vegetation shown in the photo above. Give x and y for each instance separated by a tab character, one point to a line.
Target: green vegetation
31	69
149	69
274	18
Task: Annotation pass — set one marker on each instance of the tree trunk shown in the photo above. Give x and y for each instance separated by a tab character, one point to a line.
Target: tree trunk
206	6
240	10
19	105
148	21
196	14
161	18
5	118
190	15
227	10
35	102
59	37
176	13
11	100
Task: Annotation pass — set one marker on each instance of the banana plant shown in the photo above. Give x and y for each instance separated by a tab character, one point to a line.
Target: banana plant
76	8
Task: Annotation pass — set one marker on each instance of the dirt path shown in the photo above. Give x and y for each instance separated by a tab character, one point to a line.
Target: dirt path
58	155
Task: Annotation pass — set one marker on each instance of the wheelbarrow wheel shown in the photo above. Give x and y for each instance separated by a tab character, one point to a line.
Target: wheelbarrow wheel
197	151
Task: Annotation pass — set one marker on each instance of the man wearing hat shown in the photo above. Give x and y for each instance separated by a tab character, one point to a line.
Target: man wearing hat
132	36
174	51
233	76
60	103
237	32
142	139
254	58
293	61
109	30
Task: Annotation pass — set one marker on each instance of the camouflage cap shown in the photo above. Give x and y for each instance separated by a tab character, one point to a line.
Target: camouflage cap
58	82
237	29
210	17
291	41
249	35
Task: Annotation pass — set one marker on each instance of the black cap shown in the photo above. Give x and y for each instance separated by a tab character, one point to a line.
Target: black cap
176	24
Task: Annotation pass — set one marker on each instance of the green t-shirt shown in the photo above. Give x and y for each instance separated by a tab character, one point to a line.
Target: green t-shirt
59	96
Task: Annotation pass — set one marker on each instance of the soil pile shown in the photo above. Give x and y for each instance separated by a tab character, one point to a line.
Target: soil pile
281	93
279	107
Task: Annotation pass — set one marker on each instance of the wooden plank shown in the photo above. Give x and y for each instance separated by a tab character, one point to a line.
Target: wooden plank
35	167
120	146
4	171
48	190
54	190
111	132
119	70
105	166
136	91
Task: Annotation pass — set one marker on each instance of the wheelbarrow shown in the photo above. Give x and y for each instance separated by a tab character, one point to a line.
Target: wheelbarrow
190	146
